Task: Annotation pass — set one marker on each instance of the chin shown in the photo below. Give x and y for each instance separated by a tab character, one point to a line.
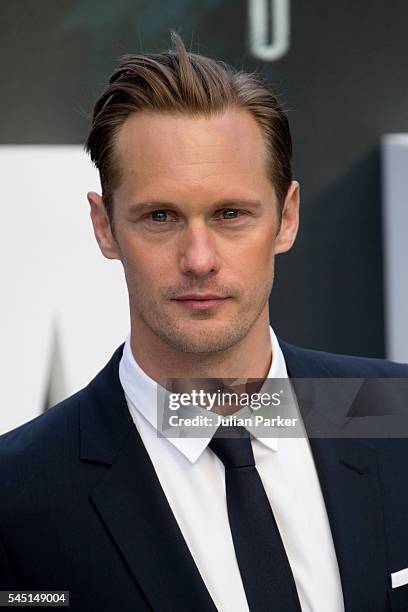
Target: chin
203	338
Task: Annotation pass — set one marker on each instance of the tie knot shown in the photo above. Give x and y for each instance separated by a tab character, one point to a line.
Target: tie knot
232	445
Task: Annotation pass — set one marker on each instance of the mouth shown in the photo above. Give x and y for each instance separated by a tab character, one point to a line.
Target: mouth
201	302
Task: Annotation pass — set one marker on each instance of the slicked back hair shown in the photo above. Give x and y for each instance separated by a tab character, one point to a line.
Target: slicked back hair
180	82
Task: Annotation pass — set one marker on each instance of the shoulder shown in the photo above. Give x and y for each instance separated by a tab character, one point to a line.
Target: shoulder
43	435
62	420
338	365
47	422
353	365
37	459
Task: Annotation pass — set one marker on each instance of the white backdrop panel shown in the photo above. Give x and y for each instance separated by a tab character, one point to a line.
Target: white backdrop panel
57	288
395	232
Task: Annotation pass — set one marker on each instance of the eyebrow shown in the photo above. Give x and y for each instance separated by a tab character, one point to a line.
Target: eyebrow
138	207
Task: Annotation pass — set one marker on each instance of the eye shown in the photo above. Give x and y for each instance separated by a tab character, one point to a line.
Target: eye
230	214
159	215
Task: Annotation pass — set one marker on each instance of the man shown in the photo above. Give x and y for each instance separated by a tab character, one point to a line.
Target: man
197	199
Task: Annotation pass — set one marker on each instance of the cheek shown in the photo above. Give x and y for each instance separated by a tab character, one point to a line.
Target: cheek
255	256
146	268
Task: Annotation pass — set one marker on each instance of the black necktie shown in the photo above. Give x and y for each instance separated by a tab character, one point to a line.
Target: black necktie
265	570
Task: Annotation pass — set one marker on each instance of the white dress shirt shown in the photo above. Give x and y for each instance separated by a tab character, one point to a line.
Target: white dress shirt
193	480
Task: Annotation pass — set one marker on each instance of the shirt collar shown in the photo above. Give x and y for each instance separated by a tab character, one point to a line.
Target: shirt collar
141	395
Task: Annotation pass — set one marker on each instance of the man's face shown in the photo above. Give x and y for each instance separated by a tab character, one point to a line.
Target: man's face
195	222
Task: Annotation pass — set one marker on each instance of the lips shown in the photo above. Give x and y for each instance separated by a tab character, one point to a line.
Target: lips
205	301
201	297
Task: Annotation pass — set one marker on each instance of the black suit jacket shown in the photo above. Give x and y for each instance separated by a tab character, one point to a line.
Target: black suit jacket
81	507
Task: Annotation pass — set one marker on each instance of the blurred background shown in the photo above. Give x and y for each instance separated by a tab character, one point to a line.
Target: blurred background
340	69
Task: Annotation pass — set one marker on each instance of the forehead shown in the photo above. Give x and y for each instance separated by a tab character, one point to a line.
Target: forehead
190	148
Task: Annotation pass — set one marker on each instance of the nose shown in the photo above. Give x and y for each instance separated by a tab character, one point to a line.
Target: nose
198	256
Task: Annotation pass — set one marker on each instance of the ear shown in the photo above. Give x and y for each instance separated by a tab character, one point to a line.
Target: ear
102	227
290	220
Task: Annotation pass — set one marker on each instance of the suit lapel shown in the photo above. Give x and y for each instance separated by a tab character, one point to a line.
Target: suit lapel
347	470
130	501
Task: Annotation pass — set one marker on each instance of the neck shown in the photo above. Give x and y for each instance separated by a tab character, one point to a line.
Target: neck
250	358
